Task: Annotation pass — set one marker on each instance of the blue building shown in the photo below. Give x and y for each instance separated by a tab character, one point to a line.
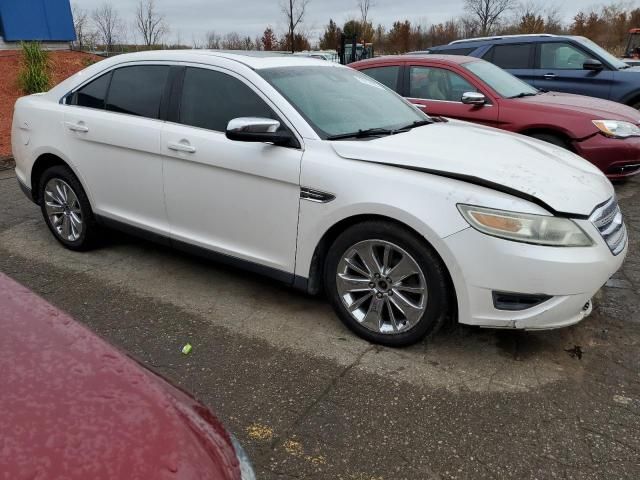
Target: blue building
46	21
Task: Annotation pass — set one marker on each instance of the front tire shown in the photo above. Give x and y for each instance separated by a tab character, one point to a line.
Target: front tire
386	284
552	139
66	208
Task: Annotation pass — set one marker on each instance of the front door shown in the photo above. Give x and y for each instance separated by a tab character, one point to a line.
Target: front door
439	90
560	69
235	198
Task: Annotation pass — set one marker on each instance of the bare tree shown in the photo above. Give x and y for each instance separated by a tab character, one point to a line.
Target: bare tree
488	12
80	24
150	23
364	6
233	41
212	41
108	24
294	11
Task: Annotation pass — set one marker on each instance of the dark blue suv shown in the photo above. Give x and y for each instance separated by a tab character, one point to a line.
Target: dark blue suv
553	62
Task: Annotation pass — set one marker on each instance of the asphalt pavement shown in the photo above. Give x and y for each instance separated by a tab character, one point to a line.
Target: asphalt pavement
309	400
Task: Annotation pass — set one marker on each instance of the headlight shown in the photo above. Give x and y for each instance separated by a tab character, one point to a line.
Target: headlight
617	129
523	227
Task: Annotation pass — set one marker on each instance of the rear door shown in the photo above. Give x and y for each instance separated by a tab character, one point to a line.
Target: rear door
113	127
439	89
559	68
517	58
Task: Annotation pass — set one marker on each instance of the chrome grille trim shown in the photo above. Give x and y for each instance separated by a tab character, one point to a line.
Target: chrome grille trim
608	220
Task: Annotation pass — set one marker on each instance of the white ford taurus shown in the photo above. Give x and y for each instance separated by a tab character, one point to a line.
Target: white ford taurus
316	175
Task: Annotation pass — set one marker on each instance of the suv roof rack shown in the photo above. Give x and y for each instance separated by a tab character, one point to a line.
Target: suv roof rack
500	37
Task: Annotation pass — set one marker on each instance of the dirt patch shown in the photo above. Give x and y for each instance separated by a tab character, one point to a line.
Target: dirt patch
63	65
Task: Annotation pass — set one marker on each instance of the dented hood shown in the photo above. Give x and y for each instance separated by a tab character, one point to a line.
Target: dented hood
545	174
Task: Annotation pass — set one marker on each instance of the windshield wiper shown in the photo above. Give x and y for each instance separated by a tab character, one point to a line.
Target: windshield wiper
417	123
369	132
377	132
524	94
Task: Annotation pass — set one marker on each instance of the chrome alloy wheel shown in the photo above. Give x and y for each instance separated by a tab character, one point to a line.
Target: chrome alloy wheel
382	286
63	209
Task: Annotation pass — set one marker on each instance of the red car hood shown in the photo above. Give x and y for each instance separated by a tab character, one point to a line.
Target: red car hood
595	108
74	407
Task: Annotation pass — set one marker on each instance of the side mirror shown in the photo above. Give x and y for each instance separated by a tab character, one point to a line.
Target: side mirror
253	129
592	64
473	98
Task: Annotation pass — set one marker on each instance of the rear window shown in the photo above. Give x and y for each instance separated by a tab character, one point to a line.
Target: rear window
92	95
387	76
511	56
138	90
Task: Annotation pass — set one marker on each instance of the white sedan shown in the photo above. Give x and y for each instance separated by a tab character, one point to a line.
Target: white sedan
318	176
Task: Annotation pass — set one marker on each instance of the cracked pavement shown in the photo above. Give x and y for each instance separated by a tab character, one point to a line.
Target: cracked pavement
309	400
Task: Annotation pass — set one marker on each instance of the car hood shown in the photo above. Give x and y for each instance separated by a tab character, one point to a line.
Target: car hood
550	176
75	407
595	108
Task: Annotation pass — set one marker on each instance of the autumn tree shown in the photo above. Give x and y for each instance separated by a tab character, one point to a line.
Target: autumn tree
330	39
269	40
399	37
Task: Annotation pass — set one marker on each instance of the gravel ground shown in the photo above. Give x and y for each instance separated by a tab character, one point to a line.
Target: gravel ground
309	400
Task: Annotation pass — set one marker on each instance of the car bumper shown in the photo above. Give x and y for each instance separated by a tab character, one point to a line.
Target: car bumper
26	190
567	278
617	158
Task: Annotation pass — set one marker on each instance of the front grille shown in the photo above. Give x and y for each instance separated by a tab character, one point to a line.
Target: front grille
624	169
607	218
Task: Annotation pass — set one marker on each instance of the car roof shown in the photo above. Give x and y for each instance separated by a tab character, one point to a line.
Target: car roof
256	60
450	59
526	38
76	407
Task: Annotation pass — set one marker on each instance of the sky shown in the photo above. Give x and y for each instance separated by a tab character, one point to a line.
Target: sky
192	19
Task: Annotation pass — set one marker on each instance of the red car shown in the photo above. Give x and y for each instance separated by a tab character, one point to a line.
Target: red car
466	88
74	407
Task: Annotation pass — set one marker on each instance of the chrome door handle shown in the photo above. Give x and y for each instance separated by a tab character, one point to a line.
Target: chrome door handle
181	147
76	127
550	76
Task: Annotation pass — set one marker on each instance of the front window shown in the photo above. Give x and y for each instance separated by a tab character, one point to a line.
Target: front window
211	99
561	56
601	52
337	101
432	83
502	82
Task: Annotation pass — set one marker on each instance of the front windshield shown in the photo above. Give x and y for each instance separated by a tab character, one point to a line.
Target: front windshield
601	52
504	84
338	101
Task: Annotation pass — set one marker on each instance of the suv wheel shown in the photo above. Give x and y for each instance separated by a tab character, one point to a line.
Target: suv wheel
66	209
386	284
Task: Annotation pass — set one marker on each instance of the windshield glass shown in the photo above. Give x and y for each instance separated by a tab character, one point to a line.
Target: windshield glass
505	84
601	52
338	101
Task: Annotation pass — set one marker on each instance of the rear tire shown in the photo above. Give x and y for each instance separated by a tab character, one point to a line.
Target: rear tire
66	208
386	284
